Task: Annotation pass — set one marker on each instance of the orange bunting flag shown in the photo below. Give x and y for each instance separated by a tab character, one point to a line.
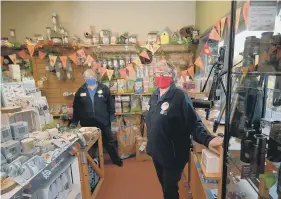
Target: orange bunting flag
22	54
63	60
109	74
2	60
53	60
214	35
123	73
144	54
132	72
81	52
218	26
89	59
137	61
238	11
102	71
73	58
198	62
228	24
278	55
222	25
30	50
13	58
41	54
190	70
206	50
184	74
246	12
96	66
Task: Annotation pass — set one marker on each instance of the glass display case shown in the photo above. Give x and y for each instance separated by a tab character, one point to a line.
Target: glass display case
252	140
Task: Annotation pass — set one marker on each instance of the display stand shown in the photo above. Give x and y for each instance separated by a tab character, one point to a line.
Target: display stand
83	159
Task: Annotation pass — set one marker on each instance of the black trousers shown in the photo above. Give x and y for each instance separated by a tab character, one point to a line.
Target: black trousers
169	179
107	140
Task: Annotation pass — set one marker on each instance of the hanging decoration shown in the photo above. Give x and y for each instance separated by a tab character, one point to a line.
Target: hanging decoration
123	73
238	11
31	49
246	12
198	62
214	35
109	74
137	61
131	70
89	59
218	26
96	66
81	52
144	54
184	74
53	60
222	25
2	60
190	70
41	54
206	50
73	58
63	61
102	71
23	54
13	58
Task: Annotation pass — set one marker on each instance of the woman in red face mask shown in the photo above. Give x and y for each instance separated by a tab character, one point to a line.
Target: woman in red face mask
171	120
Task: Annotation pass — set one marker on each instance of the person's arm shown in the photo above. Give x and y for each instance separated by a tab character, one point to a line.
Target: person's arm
110	106
76	106
194	123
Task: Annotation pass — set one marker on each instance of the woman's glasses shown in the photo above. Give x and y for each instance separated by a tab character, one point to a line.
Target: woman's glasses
158	74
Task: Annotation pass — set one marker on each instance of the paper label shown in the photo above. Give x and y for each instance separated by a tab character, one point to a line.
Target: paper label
83	94
142	147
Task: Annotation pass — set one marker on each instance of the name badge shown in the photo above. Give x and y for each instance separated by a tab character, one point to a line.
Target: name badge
164	108
83	94
100	96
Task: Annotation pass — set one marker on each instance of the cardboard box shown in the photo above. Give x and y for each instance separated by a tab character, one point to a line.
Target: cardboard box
141	149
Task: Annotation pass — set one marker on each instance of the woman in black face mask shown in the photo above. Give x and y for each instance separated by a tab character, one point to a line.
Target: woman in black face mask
171	120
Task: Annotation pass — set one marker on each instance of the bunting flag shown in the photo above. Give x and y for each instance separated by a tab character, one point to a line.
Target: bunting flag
23	54
53	60
198	62
206	50
96	66
42	54
190	70
13	58
109	74
144	54
222	25
238	11
214	35
246	12
228	24
132	72
123	73
2	60
30	49
184	74
73	58
81	52
63	60
102	71
137	61
89	59
218	26
155	47
278	55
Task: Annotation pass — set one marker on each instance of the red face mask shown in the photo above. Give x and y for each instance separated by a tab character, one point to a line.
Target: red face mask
163	81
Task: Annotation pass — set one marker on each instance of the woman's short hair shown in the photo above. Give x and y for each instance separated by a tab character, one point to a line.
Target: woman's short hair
170	68
89	73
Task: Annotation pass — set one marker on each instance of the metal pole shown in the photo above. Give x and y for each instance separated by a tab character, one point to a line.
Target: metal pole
228	96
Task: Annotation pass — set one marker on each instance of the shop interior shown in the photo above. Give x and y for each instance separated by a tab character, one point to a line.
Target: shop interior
227	57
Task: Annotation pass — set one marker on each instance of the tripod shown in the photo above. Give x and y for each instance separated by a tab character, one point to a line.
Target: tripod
217	79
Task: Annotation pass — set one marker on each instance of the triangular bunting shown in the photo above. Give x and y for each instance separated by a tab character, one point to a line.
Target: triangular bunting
238	11
137	61
190	70
246	12
2	60
144	54
96	66
132	72
214	35
89	59
30	50
13	58
123	73
73	58
81	52
23	54
102	71
198	62
206	50
184	74
278	55
222	25
63	60
218	26
53	60
109	74
149	47
42	54
155	47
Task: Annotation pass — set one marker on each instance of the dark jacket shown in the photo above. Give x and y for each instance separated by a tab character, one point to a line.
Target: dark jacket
88	114
169	130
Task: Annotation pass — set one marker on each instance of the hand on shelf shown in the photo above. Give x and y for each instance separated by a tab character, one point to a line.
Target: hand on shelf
215	143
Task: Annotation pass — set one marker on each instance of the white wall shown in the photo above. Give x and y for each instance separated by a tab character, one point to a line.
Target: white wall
29	18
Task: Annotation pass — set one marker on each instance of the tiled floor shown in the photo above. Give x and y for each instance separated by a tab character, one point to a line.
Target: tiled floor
135	180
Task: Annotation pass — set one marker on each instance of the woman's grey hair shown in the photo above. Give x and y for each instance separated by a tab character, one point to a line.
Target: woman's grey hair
170	68
90	73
